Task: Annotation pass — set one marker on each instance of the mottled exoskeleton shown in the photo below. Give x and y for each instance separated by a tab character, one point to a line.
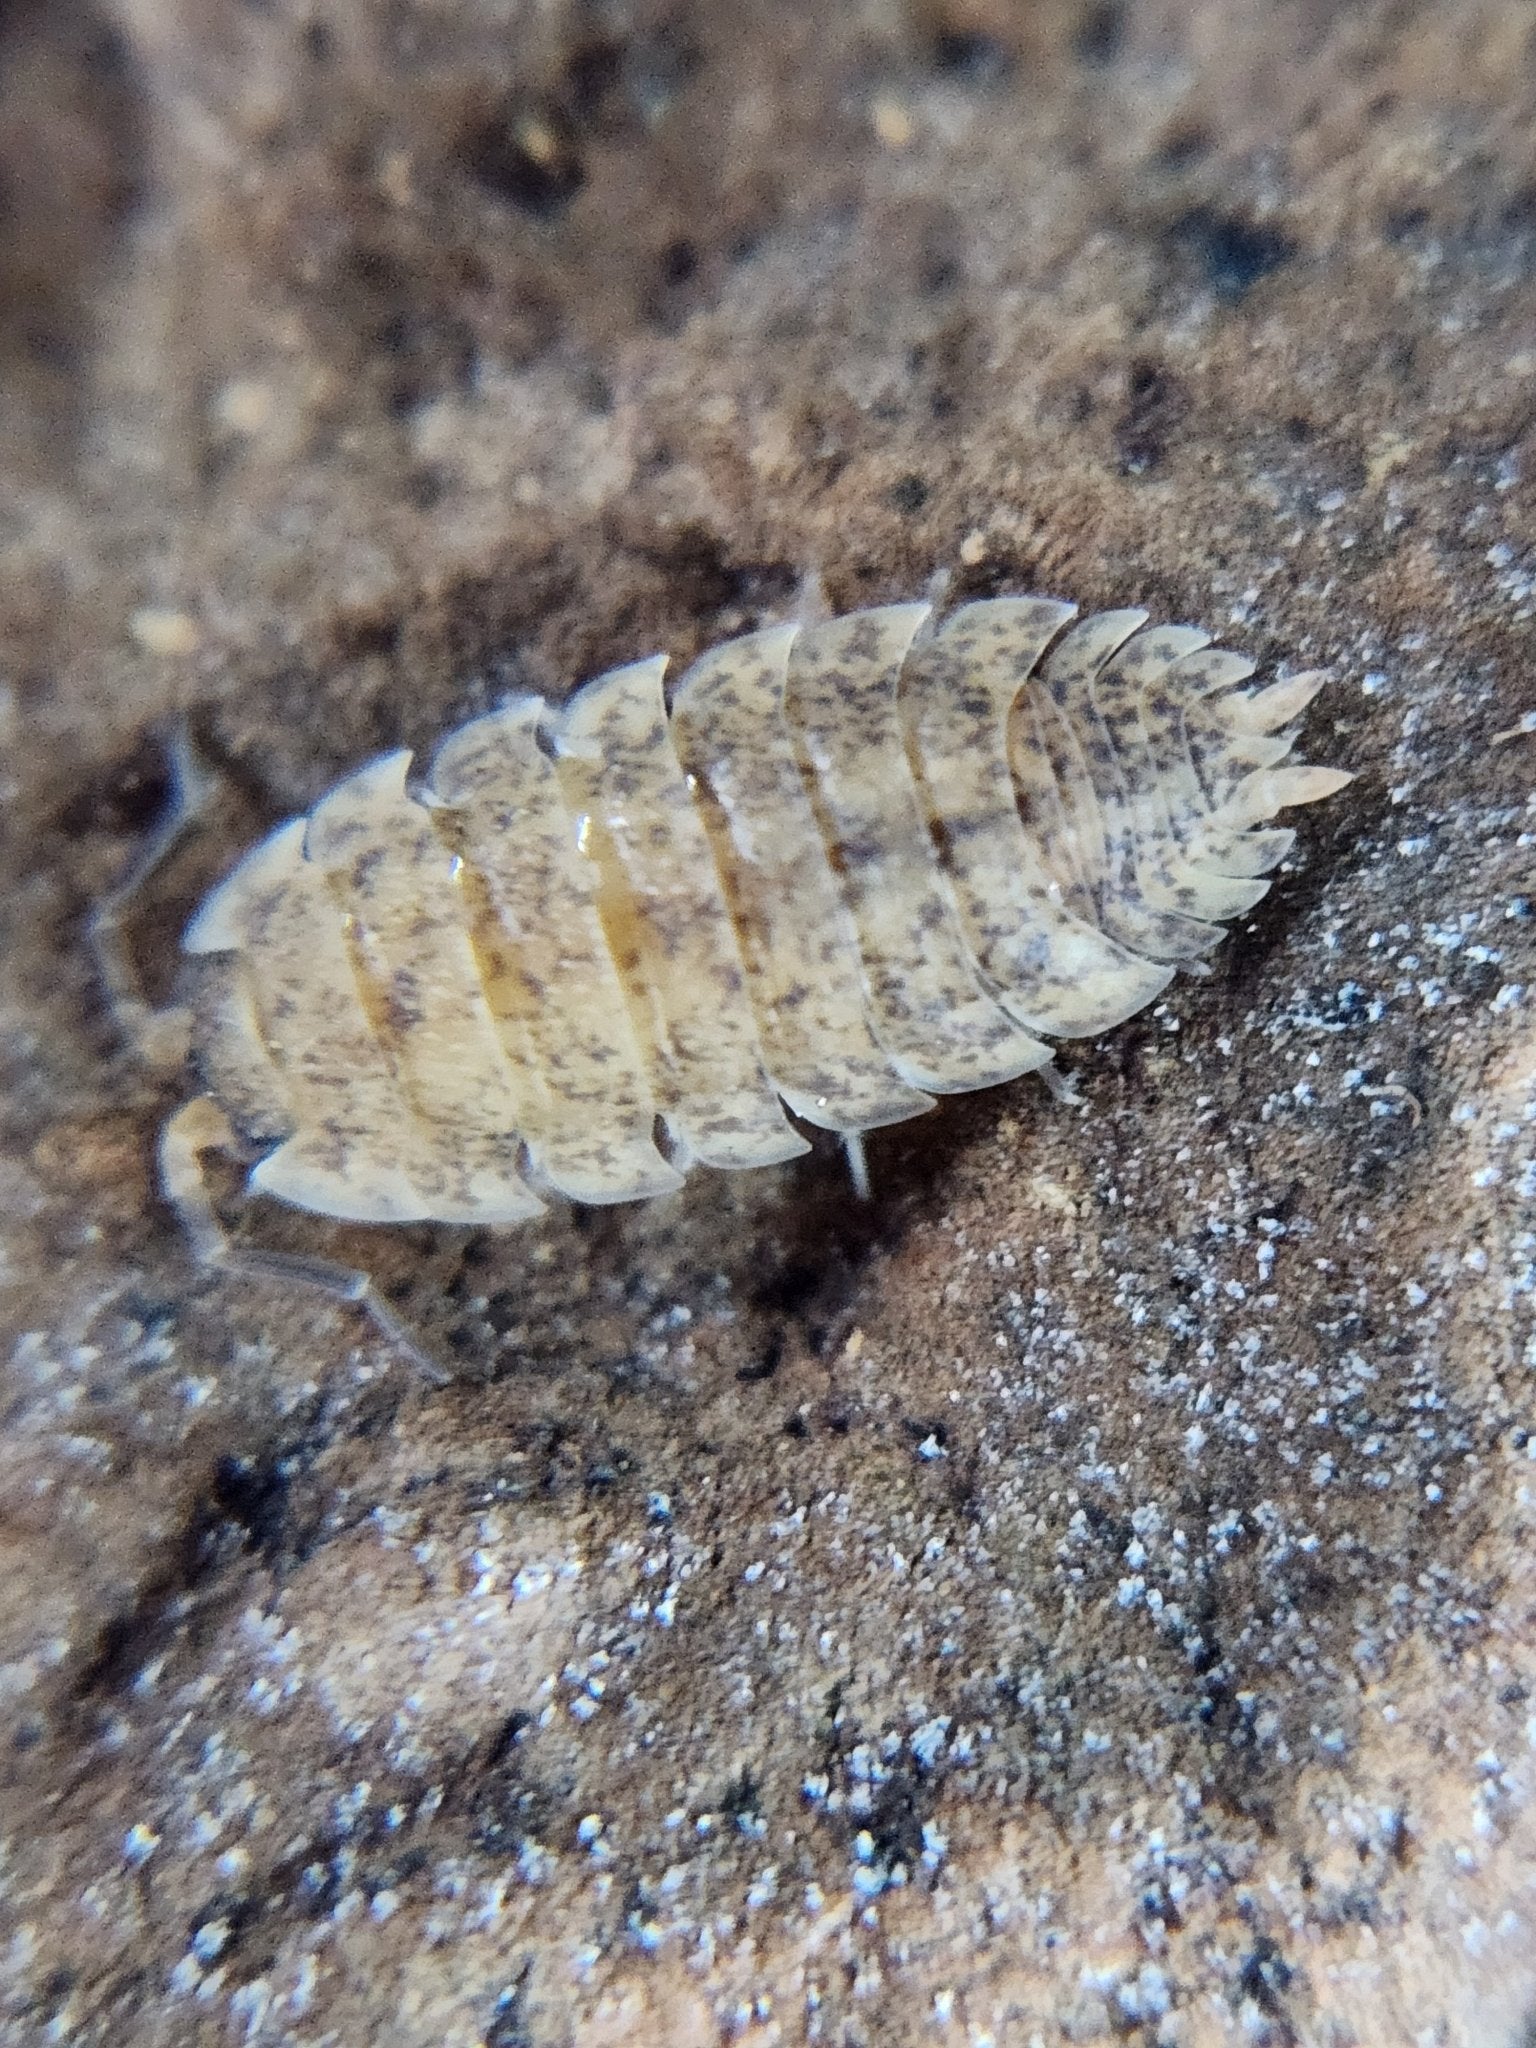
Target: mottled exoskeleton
847	867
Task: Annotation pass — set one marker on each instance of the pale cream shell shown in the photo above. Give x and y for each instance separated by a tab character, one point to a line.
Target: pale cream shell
853	865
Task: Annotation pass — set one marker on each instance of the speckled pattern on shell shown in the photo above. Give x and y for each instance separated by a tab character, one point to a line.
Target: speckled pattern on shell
854	865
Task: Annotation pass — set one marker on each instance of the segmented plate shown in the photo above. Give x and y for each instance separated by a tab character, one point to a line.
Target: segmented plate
851	866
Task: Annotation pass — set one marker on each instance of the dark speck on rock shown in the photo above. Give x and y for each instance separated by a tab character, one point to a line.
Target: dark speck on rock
1101	33
1234	252
527	157
972	56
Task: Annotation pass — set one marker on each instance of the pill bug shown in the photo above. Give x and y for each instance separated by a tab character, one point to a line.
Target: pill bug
842	869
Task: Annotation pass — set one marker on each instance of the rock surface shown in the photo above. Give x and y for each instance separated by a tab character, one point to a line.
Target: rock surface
1087	1593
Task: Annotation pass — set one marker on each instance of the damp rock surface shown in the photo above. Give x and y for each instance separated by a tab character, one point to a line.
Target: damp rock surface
1084	1593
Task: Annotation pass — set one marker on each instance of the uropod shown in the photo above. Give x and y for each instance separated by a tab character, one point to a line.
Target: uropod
840	869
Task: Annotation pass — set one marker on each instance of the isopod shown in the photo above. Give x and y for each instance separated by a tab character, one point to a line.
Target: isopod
844	868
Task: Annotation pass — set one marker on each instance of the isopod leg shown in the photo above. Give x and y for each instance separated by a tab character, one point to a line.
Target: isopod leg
812	606
159	1036
200	1126
1062	1087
